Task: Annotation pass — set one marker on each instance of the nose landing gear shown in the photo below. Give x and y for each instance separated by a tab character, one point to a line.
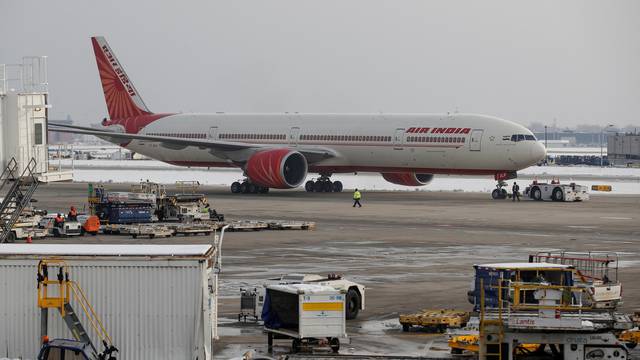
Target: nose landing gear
323	184
499	192
247	187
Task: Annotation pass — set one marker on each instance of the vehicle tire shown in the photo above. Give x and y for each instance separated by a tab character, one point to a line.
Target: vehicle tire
337	186
318	186
309	186
82	232
134	235
557	194
264	190
353	304
536	194
252	188
94	233
406	327
235	188
456	351
495	194
631	345
296	345
11	237
334	343
244	188
151	236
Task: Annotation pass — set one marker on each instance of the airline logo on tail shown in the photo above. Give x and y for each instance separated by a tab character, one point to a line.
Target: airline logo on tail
123	100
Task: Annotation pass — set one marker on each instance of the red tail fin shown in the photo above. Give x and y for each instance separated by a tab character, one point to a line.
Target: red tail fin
123	100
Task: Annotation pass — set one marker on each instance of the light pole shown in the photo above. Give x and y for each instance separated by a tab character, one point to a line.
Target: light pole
545	136
601	134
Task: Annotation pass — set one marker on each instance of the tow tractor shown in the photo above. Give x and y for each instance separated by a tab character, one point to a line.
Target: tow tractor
81	348
556	191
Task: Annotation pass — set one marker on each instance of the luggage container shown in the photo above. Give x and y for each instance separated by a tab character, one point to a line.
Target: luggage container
308	314
158	301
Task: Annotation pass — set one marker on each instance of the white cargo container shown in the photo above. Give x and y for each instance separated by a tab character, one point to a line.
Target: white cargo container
307	313
156	301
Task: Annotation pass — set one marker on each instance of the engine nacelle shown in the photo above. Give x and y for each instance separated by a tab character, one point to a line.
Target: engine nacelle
277	168
408	179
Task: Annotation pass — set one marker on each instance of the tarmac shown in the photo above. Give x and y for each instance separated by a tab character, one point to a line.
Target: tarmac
412	250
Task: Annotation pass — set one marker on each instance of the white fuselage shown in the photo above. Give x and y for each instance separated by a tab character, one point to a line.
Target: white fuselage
421	143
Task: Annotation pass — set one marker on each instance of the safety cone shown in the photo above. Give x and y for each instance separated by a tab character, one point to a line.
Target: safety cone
29	239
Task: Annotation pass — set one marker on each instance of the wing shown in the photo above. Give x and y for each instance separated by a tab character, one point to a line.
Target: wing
237	152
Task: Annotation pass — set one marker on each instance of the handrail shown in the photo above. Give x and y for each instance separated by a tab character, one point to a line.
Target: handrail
91	314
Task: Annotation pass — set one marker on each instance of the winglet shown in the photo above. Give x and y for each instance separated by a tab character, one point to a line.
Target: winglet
121	96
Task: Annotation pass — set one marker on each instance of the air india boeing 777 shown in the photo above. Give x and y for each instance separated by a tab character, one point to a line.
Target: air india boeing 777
279	150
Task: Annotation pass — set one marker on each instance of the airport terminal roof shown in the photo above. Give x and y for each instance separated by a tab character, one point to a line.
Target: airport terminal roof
104	250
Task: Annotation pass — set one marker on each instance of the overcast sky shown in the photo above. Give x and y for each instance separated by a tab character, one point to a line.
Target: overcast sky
577	61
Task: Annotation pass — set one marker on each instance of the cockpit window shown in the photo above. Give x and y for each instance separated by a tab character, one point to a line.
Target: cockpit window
522	137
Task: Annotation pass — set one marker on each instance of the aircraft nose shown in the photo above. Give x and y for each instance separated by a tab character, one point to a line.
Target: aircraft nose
538	152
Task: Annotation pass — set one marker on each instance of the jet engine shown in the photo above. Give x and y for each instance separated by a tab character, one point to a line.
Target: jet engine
408	179
277	168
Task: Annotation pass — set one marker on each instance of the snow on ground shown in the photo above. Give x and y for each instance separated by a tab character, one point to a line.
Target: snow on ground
623	180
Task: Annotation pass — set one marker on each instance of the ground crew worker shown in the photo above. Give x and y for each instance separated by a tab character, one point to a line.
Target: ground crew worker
356	198
516	191
59	221
73	214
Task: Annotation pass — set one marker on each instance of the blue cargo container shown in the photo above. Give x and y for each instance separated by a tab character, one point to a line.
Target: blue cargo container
125	214
492	274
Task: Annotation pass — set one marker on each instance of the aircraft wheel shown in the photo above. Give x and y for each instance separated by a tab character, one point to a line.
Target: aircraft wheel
309	186
263	190
495	194
327	186
244	188
337	186
235	189
252	188
318	186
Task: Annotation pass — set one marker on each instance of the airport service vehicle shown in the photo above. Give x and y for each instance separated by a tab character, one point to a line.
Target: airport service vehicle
556	191
597	271
69	228
309	314
90	224
354	298
280	150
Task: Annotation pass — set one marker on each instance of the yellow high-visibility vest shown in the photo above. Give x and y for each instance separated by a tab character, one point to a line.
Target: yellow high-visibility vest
357	195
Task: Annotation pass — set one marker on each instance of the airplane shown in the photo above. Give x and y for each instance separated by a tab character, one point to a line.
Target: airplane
278	151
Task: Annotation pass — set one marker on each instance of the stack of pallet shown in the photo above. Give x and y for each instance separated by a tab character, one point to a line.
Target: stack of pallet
436	320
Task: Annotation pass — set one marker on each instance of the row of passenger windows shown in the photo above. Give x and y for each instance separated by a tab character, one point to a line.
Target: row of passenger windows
254	136
181	135
436	139
345	138
521	137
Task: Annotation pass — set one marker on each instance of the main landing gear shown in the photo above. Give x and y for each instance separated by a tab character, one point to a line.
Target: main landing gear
246	187
323	184
499	192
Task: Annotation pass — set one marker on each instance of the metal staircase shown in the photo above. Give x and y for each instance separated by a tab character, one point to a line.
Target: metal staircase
62	301
492	346
17	196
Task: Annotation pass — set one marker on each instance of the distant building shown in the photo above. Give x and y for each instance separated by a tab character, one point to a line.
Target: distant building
624	149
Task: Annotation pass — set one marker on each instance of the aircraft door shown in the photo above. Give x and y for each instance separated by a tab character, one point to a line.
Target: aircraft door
398	139
213	133
475	140
294	135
